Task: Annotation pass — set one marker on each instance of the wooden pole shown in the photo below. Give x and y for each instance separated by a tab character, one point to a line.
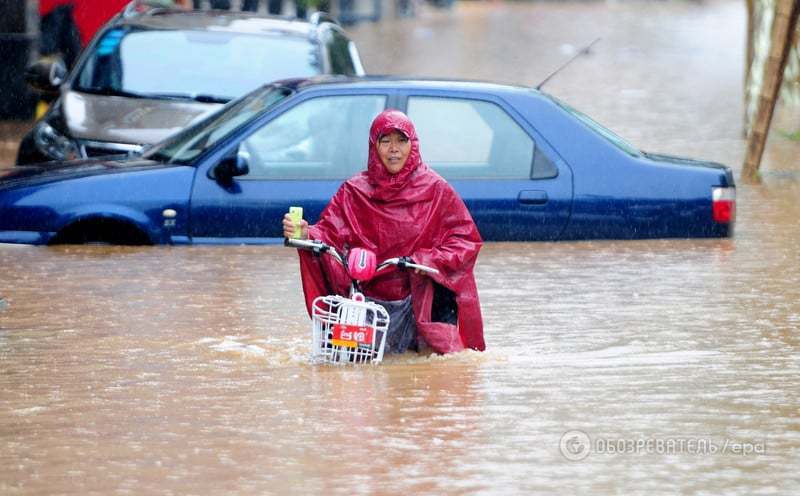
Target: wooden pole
751	12
783	27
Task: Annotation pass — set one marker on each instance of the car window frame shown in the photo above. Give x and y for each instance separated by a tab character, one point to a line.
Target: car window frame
536	139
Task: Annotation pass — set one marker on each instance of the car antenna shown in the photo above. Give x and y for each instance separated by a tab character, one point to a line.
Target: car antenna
582	51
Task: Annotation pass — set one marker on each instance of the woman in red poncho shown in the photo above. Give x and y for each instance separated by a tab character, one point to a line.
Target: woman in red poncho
400	207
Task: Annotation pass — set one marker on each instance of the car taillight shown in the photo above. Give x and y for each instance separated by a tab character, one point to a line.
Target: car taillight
723	205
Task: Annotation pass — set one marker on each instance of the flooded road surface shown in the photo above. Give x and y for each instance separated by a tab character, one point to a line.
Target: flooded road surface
645	367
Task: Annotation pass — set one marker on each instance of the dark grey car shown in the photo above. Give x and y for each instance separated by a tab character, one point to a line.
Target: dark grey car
148	75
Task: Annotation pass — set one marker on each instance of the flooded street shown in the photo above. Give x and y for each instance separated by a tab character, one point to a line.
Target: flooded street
613	367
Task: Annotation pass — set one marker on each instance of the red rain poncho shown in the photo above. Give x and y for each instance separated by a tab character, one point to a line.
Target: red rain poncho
413	213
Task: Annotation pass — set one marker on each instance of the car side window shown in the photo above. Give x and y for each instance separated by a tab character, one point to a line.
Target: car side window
320	138
474	139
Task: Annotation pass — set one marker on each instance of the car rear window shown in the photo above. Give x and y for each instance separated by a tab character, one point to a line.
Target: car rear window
598	128
191	63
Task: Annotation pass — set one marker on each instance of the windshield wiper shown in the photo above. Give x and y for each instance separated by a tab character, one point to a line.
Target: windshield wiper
204	98
111	92
198	97
212	98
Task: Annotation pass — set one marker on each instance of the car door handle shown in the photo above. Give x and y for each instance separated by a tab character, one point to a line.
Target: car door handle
532	197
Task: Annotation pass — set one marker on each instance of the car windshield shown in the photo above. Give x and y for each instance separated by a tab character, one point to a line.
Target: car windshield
188	144
204	65
599	128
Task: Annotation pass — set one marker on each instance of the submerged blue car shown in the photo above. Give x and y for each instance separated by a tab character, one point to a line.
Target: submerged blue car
528	167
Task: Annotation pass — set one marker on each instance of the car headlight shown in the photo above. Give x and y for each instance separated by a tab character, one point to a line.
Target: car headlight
54	144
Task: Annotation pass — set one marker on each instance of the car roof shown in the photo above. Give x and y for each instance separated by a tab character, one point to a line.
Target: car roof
404	82
225	21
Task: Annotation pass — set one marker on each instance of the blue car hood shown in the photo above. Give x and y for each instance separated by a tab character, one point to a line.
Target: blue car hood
29	175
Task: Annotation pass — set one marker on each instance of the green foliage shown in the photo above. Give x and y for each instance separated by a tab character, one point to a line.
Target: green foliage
794	136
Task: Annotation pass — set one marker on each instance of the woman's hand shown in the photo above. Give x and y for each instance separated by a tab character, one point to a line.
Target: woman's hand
411	260
289	227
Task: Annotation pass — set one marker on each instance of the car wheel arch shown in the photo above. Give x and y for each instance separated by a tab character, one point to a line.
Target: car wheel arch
102	229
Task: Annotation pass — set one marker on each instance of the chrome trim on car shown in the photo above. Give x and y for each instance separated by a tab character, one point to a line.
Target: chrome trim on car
105	146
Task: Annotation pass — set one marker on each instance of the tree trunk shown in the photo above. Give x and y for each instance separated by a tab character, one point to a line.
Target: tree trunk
783	27
750	55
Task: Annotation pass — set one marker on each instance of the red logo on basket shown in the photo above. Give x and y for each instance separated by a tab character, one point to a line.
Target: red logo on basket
352	335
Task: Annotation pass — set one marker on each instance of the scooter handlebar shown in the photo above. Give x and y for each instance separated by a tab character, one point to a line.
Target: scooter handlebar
315	246
403	263
319	247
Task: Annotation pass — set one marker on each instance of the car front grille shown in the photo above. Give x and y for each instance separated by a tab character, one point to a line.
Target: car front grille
104	148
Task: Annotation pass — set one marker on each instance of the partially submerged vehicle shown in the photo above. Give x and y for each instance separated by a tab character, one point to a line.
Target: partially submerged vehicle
528	167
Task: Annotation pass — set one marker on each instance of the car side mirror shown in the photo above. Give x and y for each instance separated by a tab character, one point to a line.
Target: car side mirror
46	74
232	166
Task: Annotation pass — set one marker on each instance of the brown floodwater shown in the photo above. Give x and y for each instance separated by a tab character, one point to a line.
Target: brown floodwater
184	370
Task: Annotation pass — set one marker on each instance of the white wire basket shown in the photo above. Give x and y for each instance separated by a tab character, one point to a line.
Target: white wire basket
348	330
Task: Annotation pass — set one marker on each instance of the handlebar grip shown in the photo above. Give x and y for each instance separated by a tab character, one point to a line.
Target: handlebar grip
318	247
403	263
423	268
302	243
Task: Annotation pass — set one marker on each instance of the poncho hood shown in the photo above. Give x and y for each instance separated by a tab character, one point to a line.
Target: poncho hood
412	213
384	183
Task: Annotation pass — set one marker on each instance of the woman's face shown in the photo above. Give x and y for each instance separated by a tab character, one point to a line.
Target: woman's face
393	149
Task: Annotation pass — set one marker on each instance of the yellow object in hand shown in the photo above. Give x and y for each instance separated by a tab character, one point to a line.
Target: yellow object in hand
296	214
